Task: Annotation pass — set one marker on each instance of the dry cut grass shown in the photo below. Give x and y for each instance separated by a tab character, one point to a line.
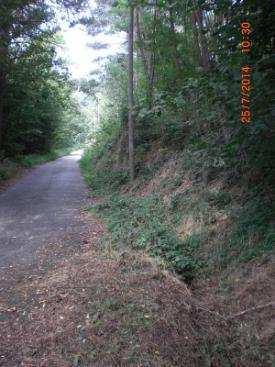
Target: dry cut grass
90	306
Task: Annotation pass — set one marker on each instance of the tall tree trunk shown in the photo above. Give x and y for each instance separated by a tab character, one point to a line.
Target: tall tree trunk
148	58
141	43
2	101
3	67
152	61
200	37
131	92
1	115
176	56
203	42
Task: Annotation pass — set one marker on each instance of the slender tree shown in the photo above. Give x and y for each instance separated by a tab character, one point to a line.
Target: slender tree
147	55
131	91
3	63
201	39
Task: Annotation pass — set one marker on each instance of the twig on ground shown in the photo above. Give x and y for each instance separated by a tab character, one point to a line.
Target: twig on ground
256	308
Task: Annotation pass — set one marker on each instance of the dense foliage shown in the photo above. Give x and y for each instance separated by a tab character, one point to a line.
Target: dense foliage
197	193
202	200
36	104
187	84
187	77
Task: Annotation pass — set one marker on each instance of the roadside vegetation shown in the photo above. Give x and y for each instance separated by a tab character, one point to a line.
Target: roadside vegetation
177	268
39	114
201	202
202	194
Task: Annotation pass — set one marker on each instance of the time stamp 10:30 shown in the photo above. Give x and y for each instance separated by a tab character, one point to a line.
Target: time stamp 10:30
245	74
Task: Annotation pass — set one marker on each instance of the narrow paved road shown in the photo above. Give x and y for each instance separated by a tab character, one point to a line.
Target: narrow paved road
41	208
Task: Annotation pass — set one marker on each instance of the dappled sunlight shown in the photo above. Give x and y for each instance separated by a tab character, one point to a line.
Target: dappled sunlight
77	153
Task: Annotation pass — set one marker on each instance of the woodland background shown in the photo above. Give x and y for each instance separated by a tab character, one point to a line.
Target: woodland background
196	191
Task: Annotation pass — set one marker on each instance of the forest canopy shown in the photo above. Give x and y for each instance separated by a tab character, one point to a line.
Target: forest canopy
37	108
187	76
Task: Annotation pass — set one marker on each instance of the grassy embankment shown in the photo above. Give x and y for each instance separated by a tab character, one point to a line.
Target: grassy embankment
208	224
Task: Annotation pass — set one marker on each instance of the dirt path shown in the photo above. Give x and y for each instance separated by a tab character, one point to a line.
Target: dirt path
40	208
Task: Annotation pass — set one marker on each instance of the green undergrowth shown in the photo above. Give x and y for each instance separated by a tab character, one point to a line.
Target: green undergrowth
145	223
196	230
31	160
104	180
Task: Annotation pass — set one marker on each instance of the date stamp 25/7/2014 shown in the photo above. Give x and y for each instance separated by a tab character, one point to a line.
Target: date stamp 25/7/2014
246	70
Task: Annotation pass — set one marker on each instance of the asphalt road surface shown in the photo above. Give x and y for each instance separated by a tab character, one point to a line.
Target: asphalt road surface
41	208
